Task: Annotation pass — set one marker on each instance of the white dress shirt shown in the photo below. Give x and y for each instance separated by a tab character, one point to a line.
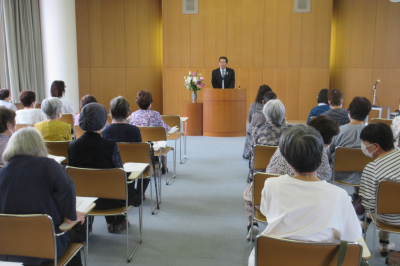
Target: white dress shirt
30	116
8	105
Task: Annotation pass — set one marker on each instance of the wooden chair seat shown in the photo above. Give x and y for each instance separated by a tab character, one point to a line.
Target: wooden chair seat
178	135
71	250
258	216
347	184
384	226
109	212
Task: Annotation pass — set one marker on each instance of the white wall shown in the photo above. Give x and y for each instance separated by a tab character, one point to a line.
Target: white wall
60	57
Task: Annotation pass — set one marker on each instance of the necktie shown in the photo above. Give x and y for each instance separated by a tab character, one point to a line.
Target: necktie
223	77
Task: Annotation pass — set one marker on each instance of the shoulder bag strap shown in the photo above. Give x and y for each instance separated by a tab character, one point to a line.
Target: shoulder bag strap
342	252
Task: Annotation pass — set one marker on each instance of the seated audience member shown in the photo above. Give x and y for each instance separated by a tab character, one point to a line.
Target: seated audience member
269	132
377	143
336	113
323	104
5	99
278	164
31	183
259	118
120	131
289	202
255	108
58	90
85	100
52	129
396	130
148	118
349	137
7	128
29	115
92	151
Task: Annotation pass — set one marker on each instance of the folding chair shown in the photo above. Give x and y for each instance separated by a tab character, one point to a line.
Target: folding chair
175	121
387	202
19	106
19	126
158	134
58	148
381	120
108	184
140	153
262	156
256	215
78	132
69	119
349	160
278	251
33	235
109	119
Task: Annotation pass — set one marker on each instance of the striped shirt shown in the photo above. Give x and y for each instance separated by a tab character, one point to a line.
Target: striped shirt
54	130
387	167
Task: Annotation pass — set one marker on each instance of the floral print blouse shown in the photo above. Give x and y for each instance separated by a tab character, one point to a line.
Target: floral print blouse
148	118
396	130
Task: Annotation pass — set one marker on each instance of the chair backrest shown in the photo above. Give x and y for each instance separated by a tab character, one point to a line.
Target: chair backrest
19	126
172	120
258	184
58	148
262	155
277	251
153	134
39	106
78	131
109	119
67	118
138	152
381	120
350	160
27	235
101	183
19	106
387	197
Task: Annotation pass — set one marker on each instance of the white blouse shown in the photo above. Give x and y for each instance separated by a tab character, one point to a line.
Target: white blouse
30	116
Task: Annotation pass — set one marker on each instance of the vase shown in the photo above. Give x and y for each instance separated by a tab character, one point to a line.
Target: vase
194	97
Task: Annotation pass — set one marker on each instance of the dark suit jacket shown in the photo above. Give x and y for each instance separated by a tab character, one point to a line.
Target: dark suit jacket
229	81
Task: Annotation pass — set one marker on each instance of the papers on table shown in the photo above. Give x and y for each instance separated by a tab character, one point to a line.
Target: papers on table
172	130
184	119
365	254
83	203
6	263
58	159
135	167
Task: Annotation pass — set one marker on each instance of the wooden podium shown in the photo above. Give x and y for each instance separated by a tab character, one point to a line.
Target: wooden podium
224	112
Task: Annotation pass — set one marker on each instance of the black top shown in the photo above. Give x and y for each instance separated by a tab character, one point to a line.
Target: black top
91	151
37	185
122	133
229	80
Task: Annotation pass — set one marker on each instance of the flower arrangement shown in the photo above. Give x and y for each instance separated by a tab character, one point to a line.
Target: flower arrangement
194	81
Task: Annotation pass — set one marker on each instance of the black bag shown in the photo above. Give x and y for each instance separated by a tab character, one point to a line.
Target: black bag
358	207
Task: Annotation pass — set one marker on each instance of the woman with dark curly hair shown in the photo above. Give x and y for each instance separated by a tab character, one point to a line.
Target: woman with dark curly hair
255	107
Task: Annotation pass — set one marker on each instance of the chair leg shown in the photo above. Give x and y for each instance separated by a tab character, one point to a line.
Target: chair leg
169	181
373	245
129	256
151	194
87	240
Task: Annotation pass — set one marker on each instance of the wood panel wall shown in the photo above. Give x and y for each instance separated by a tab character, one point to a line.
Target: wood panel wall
265	42
366	49
120	49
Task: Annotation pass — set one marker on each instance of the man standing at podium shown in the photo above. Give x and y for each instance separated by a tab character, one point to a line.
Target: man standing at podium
223	77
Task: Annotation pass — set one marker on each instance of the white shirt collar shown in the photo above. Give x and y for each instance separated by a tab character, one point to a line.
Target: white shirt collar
322	104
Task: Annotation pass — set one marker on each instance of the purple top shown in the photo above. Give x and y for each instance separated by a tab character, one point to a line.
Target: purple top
148	118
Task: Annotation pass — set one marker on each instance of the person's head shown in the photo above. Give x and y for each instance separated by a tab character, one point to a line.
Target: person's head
261	91
27	98
144	99
375	139
26	142
270	95
359	108
51	107
323	96
326	127
87	99
223	61
274	111
7	120
302	147
5	95
335	97
93	117
57	88
120	109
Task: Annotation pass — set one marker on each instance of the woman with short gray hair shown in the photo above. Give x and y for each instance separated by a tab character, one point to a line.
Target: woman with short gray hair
52	129
31	183
302	207
269	132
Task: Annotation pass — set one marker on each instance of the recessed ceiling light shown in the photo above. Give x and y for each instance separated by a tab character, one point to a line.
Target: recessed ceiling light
395	1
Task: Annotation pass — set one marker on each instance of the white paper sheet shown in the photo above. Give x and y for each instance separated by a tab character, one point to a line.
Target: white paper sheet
58	159
82	203
135	167
6	263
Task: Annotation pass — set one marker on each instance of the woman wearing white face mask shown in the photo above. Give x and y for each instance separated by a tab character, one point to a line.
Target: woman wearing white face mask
52	129
7	128
377	142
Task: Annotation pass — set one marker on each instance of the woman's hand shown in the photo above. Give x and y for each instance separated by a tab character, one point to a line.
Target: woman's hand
80	218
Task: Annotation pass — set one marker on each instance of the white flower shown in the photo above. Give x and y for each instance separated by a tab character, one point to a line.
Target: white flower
188	79
194	79
190	73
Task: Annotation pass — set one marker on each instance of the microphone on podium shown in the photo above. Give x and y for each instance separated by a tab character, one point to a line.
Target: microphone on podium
377	81
374	88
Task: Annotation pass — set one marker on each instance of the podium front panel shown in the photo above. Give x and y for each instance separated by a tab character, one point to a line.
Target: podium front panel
224	113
